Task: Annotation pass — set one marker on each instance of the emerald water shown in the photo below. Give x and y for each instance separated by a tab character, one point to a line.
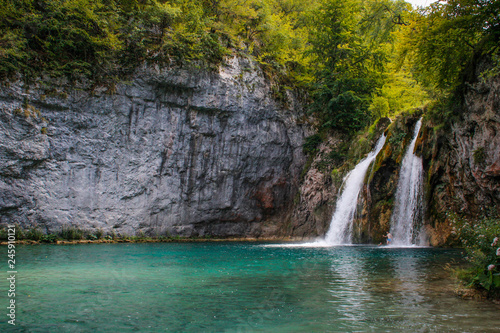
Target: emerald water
239	287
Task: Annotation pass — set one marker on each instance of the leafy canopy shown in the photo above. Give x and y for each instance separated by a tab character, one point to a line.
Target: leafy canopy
103	38
353	43
442	39
358	59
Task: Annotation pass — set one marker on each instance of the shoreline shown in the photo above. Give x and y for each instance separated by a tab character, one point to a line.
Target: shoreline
154	240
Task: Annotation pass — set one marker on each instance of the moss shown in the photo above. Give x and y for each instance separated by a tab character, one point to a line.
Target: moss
307	166
296	198
479	156
337	177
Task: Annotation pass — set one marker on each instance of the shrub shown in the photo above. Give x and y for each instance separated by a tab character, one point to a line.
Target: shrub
71	233
50	238
99	233
311	144
91	237
34	234
480	240
3	234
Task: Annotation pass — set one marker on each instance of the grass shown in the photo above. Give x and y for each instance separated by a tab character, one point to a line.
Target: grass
72	234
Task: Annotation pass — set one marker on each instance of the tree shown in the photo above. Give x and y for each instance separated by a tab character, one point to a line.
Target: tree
442	38
352	42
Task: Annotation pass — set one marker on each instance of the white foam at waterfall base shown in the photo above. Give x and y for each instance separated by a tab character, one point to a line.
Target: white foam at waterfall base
340	231
407	214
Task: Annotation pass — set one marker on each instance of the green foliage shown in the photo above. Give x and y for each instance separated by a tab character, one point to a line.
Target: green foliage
3	234
480	238
106	39
34	234
99	233
19	232
358	60
441	40
338	156
71	233
91	237
396	138
311	144
400	92
62	37
336	176
50	238
353	42
479	155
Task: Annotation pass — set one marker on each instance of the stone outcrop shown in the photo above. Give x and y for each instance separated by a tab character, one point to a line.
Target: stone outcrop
463	160
317	195
174	151
322	182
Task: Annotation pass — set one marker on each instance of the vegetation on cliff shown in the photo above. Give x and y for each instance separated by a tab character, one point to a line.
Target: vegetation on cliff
109	38
360	60
481	241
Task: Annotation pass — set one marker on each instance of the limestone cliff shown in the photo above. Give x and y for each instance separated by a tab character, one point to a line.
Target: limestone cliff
463	160
174	151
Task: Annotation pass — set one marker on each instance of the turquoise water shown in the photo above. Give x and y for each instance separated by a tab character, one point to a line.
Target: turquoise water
239	287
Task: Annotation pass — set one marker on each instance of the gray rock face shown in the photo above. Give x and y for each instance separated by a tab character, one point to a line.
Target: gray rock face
317	196
473	168
185	152
463	163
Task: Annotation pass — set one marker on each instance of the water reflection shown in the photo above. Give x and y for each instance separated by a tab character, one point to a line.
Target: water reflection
409	279
350	297
373	289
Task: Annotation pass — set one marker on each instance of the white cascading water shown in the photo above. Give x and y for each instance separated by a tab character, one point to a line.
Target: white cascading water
340	231
407	214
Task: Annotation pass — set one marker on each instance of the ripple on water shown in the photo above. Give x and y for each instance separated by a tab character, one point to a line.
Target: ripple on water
218	287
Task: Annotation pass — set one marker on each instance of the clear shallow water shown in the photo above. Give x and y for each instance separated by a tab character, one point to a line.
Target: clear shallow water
239	287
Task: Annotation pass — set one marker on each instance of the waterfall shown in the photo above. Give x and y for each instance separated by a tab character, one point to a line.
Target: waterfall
407	214
340	231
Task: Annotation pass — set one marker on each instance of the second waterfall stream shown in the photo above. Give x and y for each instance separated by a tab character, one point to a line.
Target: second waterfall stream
407	214
340	231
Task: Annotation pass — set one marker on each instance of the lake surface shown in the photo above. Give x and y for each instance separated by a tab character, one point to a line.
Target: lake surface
239	287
